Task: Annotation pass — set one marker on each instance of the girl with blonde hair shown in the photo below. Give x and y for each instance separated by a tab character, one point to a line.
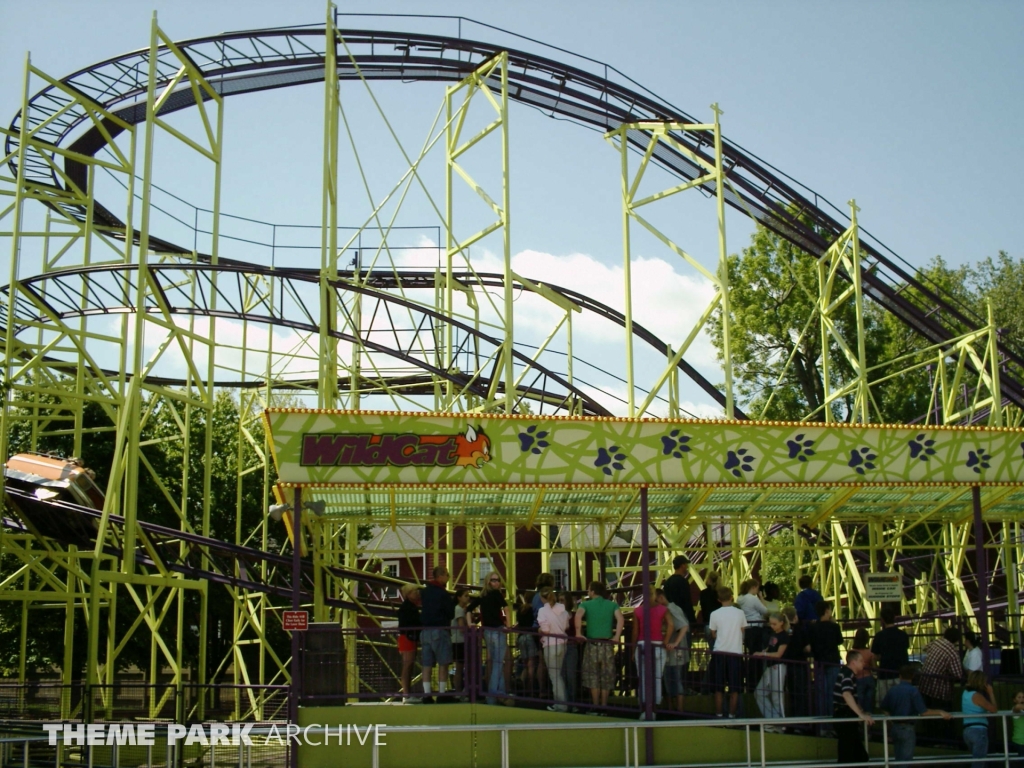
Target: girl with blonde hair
769	691
494	620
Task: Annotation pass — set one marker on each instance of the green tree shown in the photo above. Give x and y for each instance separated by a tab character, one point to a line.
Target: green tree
906	396
776	342
778	564
1000	280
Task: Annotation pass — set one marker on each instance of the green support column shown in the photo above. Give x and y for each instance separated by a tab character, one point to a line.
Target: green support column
467	89
329	363
67	669
723	265
506	232
23	637
12	293
843	258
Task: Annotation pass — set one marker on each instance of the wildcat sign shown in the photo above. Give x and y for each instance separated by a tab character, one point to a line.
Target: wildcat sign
396	450
386	447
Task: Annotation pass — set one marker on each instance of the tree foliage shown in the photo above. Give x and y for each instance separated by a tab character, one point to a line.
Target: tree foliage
778	564
1002	281
776	340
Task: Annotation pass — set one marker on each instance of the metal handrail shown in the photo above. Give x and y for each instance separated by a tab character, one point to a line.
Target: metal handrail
753	727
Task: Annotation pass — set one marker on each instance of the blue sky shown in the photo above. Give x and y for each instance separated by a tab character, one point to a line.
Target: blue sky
913	108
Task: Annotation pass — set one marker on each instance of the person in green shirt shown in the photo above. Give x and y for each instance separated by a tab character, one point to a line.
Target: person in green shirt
599	656
1018	724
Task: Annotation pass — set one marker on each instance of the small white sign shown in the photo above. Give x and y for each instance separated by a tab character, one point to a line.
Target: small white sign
884	587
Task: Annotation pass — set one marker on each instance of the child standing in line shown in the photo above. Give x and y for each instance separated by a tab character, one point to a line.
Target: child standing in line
570	665
553	621
458	636
1017	739
677	653
866	677
770	690
409	637
661	627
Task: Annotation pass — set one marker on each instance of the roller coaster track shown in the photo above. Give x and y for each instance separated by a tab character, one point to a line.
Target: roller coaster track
198	557
600	98
193	556
101	290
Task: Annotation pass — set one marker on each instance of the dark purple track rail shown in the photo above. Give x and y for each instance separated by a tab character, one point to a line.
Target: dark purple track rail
67	294
213	560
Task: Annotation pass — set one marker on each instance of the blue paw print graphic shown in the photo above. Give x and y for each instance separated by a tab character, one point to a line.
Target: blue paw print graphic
675	444
800	448
921	448
610	456
739	461
978	460
861	459
533	441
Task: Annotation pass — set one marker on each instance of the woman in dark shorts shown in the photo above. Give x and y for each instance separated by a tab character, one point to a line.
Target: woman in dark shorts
408	637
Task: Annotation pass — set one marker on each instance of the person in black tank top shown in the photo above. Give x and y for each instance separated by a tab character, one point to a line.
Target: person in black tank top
769	692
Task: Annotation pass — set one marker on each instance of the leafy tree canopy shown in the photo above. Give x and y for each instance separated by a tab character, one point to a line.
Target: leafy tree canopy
777	341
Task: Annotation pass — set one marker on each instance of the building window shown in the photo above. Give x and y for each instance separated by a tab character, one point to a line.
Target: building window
611	564
483	566
559	565
389	568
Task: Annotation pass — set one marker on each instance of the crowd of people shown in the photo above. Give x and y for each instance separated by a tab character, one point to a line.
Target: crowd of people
549	630
789	656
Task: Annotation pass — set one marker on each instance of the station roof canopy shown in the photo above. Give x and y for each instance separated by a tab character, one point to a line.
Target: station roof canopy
391	468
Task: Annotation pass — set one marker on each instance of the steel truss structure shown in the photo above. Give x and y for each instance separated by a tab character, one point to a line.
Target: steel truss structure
99	308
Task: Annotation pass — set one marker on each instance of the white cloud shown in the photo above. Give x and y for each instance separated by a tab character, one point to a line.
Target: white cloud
293	354
702	410
665	301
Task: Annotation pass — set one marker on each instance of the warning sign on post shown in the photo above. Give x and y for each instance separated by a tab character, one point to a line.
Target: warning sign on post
884	587
295	621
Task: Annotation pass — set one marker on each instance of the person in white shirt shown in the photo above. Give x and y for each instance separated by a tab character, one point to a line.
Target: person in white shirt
756	613
770	597
726	627
972	659
753	607
553	621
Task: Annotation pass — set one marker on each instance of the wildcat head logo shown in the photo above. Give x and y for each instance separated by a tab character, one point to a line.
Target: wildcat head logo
472	448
